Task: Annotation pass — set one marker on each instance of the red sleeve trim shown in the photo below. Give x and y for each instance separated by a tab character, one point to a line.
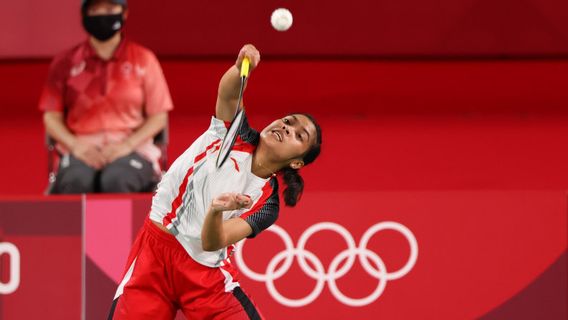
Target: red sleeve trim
266	193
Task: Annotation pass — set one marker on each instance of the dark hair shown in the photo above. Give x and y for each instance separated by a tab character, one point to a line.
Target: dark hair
291	177
86	3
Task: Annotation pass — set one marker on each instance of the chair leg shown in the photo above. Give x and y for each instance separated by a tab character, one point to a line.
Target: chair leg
51	184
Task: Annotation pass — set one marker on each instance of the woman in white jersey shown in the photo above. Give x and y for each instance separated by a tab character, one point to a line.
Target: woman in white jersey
181	257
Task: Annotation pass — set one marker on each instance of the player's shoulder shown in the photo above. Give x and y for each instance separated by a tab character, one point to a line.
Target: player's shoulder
202	145
247	133
217	128
266	211
274	197
273	184
269	191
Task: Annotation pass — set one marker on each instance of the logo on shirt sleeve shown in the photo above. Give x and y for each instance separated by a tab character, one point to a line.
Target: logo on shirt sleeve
128	68
77	69
140	71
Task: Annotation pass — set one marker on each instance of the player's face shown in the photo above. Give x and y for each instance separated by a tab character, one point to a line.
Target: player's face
290	137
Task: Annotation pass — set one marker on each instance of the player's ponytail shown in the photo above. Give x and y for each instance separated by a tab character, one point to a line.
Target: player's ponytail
294	186
291	177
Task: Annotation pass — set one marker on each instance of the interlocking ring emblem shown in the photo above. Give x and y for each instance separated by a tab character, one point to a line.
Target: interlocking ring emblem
333	273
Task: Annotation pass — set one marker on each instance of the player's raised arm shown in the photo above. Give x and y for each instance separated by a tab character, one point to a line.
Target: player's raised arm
228	92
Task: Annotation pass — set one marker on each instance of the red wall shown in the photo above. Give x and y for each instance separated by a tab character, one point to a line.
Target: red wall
321	28
364	27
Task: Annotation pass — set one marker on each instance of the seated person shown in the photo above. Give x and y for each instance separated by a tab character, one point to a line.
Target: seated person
104	101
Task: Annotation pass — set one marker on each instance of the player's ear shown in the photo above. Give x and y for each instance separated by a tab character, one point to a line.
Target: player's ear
296	164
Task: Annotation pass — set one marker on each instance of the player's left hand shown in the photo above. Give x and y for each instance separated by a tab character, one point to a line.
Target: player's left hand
114	151
231	201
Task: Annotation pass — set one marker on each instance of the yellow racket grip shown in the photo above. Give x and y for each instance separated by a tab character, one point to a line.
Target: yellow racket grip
245	66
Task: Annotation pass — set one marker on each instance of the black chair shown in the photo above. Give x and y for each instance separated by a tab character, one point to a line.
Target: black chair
161	140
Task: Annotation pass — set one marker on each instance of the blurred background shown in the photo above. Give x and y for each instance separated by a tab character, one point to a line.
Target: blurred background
448	117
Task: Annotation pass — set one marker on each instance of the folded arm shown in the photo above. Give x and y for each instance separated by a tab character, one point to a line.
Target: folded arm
218	233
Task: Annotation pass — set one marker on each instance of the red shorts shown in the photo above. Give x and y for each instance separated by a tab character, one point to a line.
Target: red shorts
161	278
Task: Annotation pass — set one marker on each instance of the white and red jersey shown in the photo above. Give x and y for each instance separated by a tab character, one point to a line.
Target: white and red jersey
186	191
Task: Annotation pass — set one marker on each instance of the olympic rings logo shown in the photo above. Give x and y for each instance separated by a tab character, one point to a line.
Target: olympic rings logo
333	273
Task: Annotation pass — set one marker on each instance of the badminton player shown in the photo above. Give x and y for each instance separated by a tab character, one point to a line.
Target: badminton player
181	257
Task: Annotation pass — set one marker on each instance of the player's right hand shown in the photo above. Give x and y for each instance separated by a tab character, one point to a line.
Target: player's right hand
249	51
89	154
230	201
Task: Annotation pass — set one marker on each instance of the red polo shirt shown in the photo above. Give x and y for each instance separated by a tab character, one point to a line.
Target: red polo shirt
105	101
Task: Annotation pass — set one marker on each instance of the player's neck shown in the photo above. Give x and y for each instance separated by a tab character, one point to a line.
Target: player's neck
262	168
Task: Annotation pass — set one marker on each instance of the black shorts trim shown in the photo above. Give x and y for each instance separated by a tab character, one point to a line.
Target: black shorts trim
249	307
112	307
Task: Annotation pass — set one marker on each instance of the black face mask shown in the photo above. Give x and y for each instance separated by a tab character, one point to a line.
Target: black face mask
103	27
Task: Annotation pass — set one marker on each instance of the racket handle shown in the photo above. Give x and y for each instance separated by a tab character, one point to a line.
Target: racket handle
245	66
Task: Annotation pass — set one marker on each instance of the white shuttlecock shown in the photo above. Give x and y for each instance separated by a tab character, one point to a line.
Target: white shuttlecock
281	19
